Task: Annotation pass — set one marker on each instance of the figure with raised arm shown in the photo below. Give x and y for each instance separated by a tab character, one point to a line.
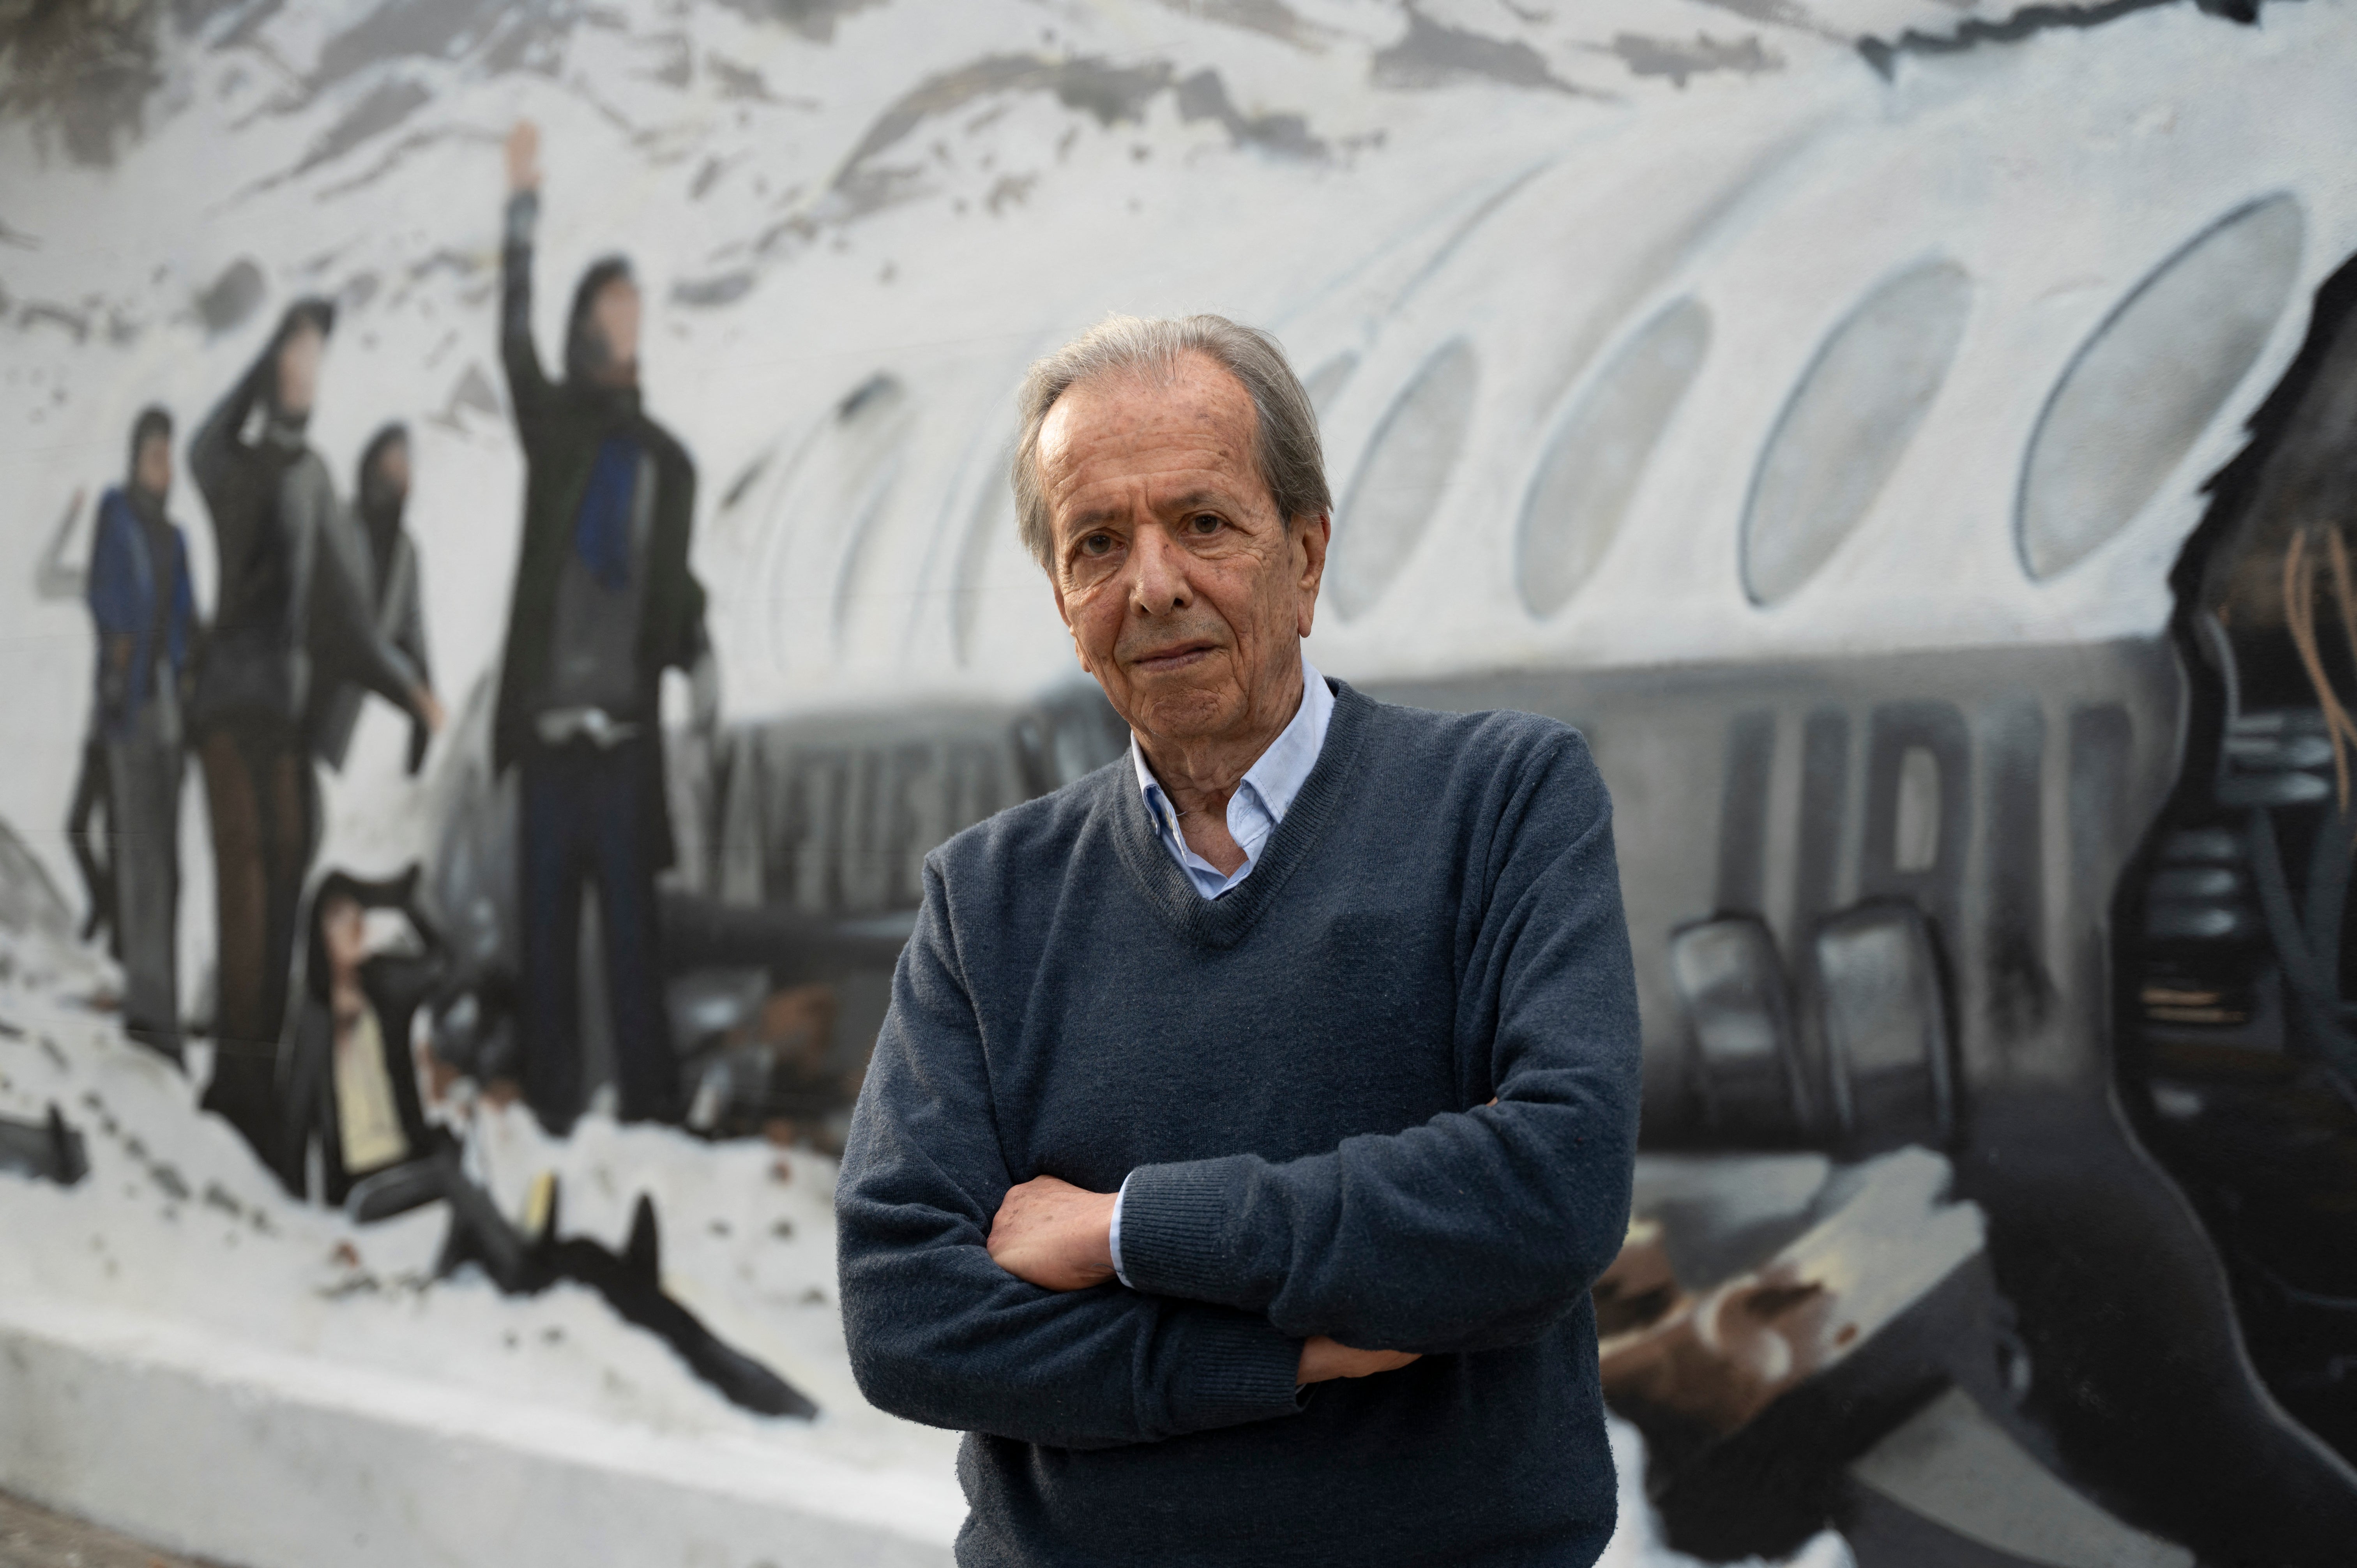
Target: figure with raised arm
290	610
604	603
144	612
352	1105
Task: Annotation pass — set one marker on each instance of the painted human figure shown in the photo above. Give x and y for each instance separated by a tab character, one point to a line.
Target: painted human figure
290	612
144	612
353	1106
383	556
59	579
603	604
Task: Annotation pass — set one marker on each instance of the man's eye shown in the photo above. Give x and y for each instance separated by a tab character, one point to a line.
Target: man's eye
1096	544
1204	523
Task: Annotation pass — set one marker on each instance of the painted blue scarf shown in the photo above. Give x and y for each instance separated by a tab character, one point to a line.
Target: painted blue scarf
601	531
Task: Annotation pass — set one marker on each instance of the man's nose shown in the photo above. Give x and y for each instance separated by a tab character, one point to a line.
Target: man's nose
1159	575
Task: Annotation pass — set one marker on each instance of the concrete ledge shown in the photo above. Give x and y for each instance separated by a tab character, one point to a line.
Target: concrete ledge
270	1460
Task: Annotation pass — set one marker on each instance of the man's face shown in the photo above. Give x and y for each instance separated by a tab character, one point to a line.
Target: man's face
1186	594
615	314
153	471
393	468
298	370
344	926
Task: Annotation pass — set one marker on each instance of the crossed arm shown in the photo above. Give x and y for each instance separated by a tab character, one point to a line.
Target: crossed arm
1060	1238
975	1301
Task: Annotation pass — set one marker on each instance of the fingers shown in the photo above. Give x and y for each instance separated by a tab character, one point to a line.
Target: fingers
1053	1234
524	156
1324	1359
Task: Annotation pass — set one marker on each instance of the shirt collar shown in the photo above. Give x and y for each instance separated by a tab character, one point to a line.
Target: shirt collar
1279	772
1286	765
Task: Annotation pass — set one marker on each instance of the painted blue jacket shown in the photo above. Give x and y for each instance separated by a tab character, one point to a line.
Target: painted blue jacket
124	585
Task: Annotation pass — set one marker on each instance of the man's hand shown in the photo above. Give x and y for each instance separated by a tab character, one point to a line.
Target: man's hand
1323	1358
1054	1235
428	707
523	157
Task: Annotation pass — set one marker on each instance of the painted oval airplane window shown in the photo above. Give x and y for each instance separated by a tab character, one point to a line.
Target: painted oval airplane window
1847	423
993	519
1401	478
1589	475
836	490
2139	392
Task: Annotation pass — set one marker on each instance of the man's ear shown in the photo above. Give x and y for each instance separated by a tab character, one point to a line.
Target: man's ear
1311	535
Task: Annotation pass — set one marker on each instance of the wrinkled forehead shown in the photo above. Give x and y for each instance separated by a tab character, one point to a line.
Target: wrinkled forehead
1164	436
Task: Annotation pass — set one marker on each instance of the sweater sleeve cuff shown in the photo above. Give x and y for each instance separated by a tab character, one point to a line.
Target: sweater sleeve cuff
1237	1369
1175	1220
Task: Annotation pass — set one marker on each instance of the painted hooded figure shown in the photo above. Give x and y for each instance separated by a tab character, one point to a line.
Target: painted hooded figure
381	556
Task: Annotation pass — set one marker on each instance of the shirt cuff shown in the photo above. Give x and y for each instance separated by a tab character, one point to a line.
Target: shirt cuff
1113	1242
1180	1229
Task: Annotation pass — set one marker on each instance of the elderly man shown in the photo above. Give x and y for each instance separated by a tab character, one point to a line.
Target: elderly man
1253	1115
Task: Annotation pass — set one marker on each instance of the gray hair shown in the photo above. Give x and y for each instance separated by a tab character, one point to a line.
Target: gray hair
1285	429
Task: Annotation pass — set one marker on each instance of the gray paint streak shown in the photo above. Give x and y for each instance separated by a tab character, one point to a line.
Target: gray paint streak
1679	61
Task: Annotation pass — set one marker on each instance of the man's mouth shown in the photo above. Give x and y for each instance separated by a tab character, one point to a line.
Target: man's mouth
1177	655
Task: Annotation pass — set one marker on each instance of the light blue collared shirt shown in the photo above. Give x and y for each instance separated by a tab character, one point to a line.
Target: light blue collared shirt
1259	804
1261	797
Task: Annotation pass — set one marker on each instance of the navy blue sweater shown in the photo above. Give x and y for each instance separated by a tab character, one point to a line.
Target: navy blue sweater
1296	1073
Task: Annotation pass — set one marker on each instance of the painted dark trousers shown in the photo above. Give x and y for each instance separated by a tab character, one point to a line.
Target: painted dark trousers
583	821
261	795
143	837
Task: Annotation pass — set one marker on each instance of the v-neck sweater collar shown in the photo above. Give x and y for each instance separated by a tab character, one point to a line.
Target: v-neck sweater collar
1222	922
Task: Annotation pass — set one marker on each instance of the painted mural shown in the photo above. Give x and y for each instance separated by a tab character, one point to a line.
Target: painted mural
445	907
